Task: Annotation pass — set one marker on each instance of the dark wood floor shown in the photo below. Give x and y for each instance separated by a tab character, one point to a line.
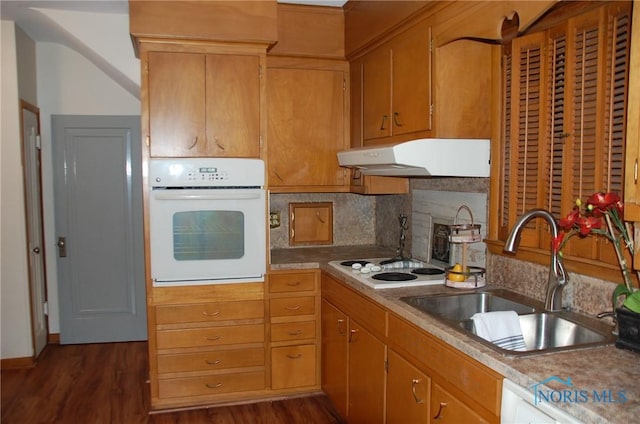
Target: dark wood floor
106	383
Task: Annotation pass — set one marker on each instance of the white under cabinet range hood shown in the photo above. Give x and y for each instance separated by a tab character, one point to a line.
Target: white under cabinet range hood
436	157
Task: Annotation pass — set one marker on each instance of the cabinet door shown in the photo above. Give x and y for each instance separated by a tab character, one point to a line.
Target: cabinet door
366	376
411	106
408	392
176	104
306	127
447	409
335	327
376	94
293	366
233	105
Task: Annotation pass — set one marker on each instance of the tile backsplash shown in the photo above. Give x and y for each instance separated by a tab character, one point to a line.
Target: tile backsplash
373	220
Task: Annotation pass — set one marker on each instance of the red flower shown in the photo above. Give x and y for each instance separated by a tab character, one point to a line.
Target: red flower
602	201
557	242
568	222
587	223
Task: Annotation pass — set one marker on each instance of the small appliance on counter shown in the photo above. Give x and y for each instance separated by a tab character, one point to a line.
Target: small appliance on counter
459	275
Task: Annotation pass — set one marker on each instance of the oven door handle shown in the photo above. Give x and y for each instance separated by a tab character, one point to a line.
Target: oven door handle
172	195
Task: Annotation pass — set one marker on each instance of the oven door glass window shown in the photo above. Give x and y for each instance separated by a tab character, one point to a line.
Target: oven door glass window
207	235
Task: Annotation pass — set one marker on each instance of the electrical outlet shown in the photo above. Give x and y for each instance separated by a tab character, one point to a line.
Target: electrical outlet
274	219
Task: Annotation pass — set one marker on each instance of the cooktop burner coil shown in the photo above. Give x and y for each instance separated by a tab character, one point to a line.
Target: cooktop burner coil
394	276
428	271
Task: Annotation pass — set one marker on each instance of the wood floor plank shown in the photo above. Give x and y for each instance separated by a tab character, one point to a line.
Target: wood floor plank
106	383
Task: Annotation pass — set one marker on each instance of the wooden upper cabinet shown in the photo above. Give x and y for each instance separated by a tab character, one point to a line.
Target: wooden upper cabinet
412	90
233	105
238	21
203	104
307	126
632	186
397	86
176	104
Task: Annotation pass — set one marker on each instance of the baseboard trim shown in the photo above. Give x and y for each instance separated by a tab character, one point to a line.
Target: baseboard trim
17	363
53	338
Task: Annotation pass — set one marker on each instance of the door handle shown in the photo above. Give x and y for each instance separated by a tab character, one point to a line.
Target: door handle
62	247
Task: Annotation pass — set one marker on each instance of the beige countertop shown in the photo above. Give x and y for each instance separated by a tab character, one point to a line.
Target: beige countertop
606	380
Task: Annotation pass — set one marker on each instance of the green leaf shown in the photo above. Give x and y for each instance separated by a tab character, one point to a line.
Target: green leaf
621	290
633	302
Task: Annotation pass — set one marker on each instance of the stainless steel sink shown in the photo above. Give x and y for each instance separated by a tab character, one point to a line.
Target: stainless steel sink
459	307
543	332
548	331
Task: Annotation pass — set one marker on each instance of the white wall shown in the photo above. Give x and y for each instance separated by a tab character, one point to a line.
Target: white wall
68	84
14	284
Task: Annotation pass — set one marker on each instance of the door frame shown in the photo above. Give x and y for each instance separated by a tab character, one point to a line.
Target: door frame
24	105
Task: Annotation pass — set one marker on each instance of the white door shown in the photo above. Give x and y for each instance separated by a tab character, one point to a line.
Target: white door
30	116
98	207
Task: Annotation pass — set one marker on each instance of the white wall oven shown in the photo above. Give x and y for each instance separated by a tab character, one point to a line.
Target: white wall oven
207	221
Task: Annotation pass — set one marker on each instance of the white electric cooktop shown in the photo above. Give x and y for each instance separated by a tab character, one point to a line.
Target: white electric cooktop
400	273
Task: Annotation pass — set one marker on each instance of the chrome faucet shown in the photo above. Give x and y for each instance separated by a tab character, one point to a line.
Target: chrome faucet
558	276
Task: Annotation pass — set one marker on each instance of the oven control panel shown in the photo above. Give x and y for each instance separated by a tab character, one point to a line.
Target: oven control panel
206	172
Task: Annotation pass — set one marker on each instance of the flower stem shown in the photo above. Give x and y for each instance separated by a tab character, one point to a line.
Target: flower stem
621	259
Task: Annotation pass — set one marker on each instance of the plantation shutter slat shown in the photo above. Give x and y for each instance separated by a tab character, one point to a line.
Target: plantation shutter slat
505	204
526	132
557	52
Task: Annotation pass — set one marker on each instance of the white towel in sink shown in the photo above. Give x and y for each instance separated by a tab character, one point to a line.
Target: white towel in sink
501	328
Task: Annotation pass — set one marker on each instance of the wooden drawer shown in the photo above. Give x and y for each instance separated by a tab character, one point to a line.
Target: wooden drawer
292	306
208	361
368	314
211	384
479	383
211	336
293	331
293	366
292	282
446	409
204	312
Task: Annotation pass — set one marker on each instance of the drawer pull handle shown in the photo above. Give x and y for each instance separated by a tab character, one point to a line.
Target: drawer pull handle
296	356
214	338
353	333
214	386
384	120
293	308
414	383
295	333
216	362
210	314
440	411
194	144
293	283
341	328
396	120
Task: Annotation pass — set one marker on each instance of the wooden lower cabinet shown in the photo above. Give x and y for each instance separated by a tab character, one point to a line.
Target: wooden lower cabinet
366	376
211	384
353	353
446	408
207	345
379	368
294	329
408	392
293	366
335	350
